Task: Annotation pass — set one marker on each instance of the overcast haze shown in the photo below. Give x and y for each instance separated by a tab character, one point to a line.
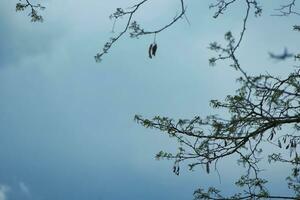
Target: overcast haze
66	122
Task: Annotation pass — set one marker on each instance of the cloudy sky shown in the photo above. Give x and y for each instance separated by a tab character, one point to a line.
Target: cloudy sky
66	122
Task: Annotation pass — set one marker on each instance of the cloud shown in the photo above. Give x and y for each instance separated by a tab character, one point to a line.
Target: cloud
3	192
24	188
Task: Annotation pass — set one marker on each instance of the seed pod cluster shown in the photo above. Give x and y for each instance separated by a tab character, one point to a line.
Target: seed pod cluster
152	50
176	170
293	144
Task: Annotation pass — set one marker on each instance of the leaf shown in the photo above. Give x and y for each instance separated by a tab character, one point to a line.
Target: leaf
279	144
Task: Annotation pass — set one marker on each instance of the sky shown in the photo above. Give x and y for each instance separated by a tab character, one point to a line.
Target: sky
66	122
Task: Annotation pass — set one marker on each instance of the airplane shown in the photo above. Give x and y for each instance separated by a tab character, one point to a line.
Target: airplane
283	56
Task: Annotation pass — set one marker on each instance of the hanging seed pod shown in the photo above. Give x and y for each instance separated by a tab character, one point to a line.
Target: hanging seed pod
177	171
207	167
154	49
292	143
271	136
279	144
150	50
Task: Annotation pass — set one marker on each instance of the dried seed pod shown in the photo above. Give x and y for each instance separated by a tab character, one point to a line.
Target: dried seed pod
292	143
177	171
154	49
279	144
150	50
271	136
207	167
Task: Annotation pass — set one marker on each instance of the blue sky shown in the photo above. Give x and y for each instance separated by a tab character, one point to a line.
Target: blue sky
66	122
